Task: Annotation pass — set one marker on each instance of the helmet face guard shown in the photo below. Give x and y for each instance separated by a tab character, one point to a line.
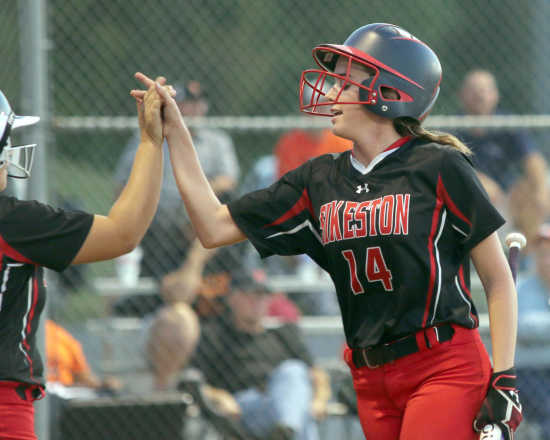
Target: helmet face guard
19	158
398	61
316	83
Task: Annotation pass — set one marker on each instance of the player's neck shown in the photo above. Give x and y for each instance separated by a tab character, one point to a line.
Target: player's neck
372	144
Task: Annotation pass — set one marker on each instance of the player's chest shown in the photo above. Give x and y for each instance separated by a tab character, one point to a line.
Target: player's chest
378	205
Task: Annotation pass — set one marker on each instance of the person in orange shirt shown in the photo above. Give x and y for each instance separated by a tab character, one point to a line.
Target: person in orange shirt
67	363
297	146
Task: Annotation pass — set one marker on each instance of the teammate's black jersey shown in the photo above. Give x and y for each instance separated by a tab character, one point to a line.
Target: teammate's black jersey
395	240
32	235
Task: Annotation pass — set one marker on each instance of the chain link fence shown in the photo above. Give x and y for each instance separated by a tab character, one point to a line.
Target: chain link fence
244	59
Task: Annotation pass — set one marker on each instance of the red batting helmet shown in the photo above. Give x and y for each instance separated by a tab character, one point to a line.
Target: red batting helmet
400	61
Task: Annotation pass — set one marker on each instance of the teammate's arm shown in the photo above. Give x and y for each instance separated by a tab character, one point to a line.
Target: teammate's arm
211	219
124	227
494	272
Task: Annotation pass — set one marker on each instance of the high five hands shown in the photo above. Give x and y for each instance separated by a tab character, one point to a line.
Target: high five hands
158	113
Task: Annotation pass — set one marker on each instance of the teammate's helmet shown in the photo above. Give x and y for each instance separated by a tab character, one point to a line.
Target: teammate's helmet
400	62
18	157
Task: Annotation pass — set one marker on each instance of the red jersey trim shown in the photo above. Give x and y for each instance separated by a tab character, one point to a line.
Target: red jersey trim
12	253
464	287
433	264
27	322
450	204
303	203
398	143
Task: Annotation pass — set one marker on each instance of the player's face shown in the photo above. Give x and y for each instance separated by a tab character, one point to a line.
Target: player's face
349	119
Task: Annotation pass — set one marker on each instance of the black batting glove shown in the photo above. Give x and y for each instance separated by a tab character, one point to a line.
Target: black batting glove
502	405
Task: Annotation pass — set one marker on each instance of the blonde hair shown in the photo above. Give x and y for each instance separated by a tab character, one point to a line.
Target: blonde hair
411	127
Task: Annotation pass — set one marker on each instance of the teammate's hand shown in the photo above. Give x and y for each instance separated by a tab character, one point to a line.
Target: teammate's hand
171	116
149	110
502	405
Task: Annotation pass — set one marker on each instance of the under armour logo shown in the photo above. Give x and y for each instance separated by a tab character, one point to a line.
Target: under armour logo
362	188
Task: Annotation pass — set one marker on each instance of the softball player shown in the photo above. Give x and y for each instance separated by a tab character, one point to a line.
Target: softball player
34	235
394	222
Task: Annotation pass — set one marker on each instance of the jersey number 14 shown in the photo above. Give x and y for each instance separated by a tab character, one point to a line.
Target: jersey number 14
376	269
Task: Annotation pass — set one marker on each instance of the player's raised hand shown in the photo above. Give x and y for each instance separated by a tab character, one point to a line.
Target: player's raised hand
149	107
171	115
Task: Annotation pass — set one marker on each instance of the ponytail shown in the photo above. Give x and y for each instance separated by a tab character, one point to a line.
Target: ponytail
411	127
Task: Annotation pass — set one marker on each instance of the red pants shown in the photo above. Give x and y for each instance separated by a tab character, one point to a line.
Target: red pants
17	411
432	394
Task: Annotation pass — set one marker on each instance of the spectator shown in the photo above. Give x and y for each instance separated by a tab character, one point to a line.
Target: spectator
174	330
297	146
510	167
534	300
203	281
171	340
67	363
268	372
534	290
166	241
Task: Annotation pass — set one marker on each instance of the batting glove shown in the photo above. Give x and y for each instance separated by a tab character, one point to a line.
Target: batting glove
502	405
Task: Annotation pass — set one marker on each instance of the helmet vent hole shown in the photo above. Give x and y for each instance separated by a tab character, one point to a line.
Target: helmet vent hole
390	93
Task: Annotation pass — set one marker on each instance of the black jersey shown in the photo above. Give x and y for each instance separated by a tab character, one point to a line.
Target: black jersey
32	235
395	239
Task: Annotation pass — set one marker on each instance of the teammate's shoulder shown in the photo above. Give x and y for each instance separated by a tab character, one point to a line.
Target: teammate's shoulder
9	204
13	210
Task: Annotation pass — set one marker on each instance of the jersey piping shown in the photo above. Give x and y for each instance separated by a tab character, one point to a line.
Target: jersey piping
32	296
6	278
434	265
303	203
391	149
438	223
465	294
438	261
299	228
6	249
